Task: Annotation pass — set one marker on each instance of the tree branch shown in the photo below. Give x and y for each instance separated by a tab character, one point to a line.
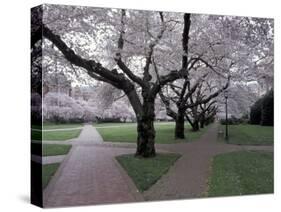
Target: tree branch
210	66
193	89
118	56
166	102
172	76
185	39
90	65
210	97
146	74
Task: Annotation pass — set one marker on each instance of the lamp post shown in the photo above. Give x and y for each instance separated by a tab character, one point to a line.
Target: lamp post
226	115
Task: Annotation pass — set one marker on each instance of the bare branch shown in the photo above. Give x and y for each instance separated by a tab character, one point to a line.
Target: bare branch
119	97
156	69
94	69
147	76
118	57
173	87
210	66
185	39
172	76
166	102
193	89
211	96
129	73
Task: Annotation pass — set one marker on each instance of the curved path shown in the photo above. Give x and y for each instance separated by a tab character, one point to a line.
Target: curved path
188	177
90	175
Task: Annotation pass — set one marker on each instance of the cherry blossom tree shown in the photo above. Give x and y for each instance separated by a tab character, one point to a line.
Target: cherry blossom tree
123	31
59	107
223	46
140	52
198	62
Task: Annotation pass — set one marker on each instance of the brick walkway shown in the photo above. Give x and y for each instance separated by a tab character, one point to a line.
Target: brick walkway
90	175
188	177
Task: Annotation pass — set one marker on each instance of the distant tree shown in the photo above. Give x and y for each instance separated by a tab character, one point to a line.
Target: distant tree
207	113
59	107
213	50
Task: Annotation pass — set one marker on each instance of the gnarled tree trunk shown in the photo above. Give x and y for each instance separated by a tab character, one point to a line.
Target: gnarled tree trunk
202	121
146	131
146	138
179	129
195	126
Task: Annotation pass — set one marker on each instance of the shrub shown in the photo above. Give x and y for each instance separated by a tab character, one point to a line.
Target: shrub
255	114
245	118
267	109
262	112
109	120
231	121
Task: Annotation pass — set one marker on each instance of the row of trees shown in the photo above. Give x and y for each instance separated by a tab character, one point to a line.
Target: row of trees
187	59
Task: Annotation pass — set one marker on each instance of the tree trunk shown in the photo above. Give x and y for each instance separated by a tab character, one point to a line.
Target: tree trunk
202	122
195	126
146	131
179	129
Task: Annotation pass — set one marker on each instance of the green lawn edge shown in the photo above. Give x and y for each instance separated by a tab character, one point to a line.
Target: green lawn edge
247	134
48	171
241	173
55	149
60	135
49	149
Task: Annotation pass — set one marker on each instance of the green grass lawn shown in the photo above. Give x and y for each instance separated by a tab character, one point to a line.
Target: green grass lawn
49	149
146	171
240	173
55	149
61	135
246	134
48	172
55	135
49	126
127	132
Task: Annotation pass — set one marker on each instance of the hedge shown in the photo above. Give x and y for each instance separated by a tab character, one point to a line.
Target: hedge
262	112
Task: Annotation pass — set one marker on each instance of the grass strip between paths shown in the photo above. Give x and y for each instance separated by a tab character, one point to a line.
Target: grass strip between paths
146	171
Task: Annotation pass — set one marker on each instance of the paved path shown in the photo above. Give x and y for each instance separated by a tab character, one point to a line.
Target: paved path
188	177
89	135
90	175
